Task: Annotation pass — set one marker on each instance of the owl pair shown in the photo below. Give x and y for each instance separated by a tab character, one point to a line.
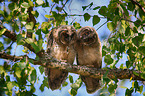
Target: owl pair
65	43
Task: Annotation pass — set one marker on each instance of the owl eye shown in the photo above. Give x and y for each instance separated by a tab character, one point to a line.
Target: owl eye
65	35
72	35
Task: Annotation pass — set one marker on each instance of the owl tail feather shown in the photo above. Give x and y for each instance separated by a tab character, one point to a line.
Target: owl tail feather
92	84
56	78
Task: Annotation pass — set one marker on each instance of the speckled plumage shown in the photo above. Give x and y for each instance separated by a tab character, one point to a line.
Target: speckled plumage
88	53
60	45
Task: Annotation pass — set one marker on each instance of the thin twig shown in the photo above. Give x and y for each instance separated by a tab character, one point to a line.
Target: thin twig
101	25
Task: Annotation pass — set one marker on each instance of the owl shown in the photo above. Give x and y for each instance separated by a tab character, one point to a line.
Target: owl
60	46
88	53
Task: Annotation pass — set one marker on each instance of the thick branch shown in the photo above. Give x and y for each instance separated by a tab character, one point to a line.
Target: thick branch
82	70
7	56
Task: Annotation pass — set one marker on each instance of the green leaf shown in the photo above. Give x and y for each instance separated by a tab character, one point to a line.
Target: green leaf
129	92
45	26
128	64
10	86
108	60
65	84
96	8
1	46
30	25
112	87
137	23
2	31
1	12
127	31
35	13
77	84
56	1
103	11
36	48
124	9
46	4
12	6
90	5
70	79
84	7
40	42
41	69
87	16
131	6
140	89
48	16
1	69
39	2
136	86
20	39
96	19
138	39
33	76
38	32
42	87
25	5
72	92
116	19
76	25
18	72
141	49
31	42
110	26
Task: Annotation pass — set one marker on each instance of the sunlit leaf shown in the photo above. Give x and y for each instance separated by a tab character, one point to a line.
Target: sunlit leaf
39	2
72	92
35	13
110	26
10	86
30	25
25	5
2	31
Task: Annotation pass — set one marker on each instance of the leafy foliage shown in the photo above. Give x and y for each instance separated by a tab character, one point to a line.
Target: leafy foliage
125	19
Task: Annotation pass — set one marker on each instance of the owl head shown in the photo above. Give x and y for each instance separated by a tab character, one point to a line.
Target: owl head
65	34
87	35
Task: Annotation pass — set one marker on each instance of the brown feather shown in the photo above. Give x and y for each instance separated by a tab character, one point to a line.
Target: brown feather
60	49
89	53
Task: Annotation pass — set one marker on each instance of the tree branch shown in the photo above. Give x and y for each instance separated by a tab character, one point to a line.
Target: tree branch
7	56
13	37
139	5
82	70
